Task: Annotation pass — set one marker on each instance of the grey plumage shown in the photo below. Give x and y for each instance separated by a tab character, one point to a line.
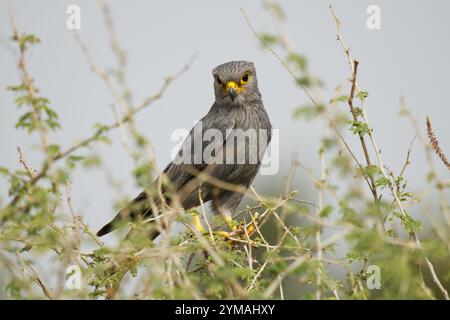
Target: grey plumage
238	105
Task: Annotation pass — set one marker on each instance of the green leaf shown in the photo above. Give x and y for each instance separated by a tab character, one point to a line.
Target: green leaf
27	39
358	111
304	81
26	121
22	100
71	161
299	61
391	232
60	177
308	112
269	39
326	211
409	223
92	161
17	88
370	171
342	98
359	128
412	225
53	150
15	287
101	127
103	139
362	95
382	182
4	171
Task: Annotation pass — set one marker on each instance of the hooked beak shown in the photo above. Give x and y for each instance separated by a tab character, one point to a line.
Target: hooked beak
233	93
232	89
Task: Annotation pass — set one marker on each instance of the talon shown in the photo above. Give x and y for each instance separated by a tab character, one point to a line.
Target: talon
251	228
226	235
221	233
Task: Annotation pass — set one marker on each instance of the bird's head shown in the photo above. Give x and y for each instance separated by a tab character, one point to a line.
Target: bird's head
235	83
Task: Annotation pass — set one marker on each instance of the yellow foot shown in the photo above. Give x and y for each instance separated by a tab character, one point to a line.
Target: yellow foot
250	228
224	234
233	225
197	223
237	229
199	227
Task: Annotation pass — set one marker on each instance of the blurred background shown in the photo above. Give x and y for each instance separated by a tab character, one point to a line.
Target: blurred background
407	57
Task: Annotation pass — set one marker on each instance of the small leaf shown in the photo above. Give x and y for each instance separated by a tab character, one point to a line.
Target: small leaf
308	111
326	211
268	38
342	98
362	95
359	128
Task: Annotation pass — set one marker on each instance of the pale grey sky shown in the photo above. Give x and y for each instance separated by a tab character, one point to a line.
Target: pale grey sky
408	56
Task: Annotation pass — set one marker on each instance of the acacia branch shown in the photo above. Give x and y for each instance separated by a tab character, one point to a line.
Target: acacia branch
306	91
99	132
27	80
362	140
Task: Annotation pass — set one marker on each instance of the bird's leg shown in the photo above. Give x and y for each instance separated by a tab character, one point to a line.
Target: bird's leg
199	227
229	221
197	223
225	204
238	228
228	218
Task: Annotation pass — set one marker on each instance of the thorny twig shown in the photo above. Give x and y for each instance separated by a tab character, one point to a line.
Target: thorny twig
28	81
308	94
85	142
355	64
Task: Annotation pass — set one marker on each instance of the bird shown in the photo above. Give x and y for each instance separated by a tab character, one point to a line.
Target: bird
230	167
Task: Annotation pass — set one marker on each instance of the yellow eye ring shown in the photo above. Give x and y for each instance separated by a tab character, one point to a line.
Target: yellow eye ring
245	78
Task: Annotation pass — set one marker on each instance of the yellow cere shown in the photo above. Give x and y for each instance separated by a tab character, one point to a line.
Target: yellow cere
232	84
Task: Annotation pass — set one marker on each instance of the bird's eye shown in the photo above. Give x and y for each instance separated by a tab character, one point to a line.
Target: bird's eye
244	78
219	81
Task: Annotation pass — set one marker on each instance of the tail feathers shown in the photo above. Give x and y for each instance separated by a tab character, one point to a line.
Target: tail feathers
107	228
124	215
130	212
